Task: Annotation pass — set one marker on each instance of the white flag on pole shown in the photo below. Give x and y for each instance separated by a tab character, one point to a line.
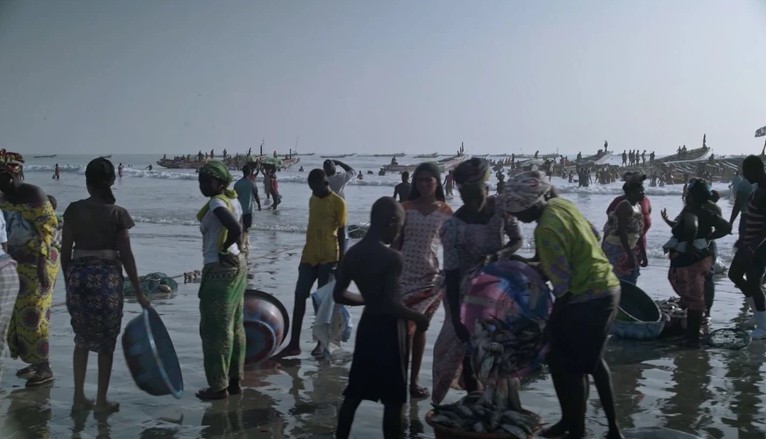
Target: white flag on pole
760	132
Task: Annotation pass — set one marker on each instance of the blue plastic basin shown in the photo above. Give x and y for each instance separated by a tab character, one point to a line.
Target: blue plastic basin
151	357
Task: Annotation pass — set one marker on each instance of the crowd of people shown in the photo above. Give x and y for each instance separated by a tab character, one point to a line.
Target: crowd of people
396	267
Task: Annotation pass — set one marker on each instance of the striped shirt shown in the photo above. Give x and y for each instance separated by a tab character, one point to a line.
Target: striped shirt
754	218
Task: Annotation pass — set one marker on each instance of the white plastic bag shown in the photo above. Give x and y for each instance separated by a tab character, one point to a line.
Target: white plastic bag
332	324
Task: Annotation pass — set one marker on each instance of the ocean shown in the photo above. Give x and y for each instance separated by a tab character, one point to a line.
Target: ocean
712	393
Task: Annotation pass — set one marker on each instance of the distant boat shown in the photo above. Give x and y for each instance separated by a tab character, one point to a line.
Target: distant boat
339	156
427	156
304	155
106	156
45	156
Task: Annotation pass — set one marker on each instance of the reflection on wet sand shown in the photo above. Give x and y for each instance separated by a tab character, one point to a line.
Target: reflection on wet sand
317	390
744	392
686	409
29	413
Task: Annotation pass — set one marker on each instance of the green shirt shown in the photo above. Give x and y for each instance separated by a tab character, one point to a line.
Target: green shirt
570	253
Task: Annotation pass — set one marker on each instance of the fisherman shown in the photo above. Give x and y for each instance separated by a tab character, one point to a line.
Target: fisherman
750	259
402	190
119	170
57	172
325	246
247	191
624	158
338	181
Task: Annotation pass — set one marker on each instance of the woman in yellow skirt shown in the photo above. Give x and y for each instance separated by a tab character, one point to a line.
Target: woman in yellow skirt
31	224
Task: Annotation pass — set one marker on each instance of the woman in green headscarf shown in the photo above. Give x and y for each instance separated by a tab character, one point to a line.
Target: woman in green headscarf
224	278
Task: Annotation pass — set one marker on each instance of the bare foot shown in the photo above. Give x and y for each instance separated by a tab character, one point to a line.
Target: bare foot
81	404
288	352
107	407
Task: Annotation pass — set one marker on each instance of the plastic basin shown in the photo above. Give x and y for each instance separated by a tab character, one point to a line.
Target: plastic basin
639	317
150	355
266	324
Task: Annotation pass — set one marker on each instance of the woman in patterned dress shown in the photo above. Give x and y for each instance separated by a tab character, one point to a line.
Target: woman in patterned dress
425	212
31	224
95	246
475	234
624	232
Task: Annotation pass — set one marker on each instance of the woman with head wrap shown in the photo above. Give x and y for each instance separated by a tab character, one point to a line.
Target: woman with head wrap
690	253
587	293
222	290
31	225
624	231
95	247
425	213
475	234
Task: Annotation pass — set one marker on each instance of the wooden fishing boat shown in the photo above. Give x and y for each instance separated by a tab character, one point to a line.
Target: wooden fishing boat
396	154
691	154
597	159
444	164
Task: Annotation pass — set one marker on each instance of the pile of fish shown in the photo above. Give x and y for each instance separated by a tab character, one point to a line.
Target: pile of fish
505	348
474	413
499	351
673	310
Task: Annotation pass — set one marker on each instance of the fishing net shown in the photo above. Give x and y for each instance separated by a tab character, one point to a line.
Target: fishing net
728	338
151	283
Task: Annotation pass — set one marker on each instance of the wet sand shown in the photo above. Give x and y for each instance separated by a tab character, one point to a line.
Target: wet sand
712	393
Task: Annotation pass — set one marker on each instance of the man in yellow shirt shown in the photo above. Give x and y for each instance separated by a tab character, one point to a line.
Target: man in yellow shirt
325	246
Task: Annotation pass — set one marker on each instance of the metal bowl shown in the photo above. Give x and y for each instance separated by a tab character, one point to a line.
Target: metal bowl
150	355
266	325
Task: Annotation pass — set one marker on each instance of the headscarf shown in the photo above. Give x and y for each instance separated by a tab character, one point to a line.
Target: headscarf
700	189
220	172
99	175
11	162
472	172
525	190
433	169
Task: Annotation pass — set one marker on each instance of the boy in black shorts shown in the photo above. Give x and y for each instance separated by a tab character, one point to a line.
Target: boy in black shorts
379	369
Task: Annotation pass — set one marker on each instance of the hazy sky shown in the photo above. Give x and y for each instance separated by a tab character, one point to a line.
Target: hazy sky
150	76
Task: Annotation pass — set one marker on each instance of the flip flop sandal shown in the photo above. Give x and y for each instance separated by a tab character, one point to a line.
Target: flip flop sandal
27	372
39	379
210	395
419	392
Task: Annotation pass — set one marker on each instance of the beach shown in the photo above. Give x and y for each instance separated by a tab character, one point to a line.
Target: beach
714	393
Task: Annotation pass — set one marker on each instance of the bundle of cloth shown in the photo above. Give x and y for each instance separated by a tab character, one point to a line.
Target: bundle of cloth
509	302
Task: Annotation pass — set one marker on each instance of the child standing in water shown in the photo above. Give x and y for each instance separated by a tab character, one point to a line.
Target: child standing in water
379	368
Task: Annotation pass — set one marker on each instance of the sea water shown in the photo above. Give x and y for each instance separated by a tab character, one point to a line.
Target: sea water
712	393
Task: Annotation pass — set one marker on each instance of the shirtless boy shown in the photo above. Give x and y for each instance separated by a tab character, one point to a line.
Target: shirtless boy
379	369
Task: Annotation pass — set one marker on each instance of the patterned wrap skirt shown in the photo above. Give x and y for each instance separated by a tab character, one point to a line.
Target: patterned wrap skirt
9	291
94	299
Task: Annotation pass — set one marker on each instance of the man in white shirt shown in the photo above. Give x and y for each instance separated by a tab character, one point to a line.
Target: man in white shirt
338	180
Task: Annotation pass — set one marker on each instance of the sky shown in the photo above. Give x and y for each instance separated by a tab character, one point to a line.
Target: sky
177	76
